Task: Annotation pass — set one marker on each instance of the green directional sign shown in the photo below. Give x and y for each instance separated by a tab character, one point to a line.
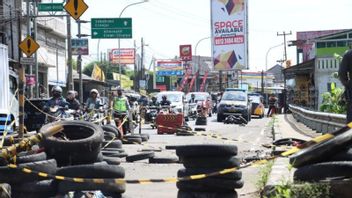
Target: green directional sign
107	28
50	7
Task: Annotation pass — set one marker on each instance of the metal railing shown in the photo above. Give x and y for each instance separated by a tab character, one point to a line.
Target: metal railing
318	121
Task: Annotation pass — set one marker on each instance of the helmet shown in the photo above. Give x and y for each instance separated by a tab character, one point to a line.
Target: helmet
119	88
164	97
56	89
94	91
192	95
71	92
153	98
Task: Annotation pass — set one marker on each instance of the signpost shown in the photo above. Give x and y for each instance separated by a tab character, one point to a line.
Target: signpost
29	46
27	61
76	8
50	7
80	46
107	28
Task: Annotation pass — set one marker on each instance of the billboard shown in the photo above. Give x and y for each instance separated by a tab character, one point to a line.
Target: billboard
80	46
229	34
169	68
186	52
126	55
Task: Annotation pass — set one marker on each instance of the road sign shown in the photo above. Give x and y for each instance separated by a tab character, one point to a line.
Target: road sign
50	7
80	46
29	46
111	28
27	61
76	8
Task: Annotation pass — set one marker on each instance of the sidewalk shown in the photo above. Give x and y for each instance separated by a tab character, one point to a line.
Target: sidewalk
288	127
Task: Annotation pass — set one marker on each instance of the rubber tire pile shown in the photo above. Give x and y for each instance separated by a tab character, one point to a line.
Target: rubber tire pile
329	159
73	152
208	158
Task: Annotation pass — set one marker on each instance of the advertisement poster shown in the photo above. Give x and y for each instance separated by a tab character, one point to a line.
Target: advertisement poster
126	55
229	34
80	46
169	68
186	52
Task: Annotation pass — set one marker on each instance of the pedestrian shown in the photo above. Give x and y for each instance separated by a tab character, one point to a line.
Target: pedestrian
272	105
345	72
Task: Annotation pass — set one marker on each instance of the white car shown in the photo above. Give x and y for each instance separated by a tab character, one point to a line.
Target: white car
176	98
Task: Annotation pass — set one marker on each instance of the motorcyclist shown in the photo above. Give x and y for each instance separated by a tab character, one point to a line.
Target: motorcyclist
93	102
193	99
165	101
56	99
73	103
121	106
154	102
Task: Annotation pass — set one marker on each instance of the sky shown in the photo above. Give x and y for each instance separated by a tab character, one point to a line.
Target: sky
166	24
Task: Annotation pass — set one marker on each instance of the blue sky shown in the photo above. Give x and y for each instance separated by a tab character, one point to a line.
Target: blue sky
166	24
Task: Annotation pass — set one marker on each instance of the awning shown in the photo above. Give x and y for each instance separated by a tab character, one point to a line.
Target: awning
300	69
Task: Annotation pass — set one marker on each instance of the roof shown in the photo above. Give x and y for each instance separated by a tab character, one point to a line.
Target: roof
302	68
85	78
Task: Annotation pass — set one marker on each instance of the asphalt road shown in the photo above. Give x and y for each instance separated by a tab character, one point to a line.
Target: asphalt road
249	140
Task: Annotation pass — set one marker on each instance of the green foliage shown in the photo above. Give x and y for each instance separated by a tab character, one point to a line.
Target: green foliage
108	69
302	190
332	102
264	175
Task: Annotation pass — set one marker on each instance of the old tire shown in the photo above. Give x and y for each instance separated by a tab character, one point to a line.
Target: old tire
108	136
113	129
132	140
184	133
112	144
140	156
100	170
112	160
193	194
45	188
31	158
210	185
321	171
210	162
288	141
119	154
83	147
163	160
345	155
185	172
320	152
14	176
145	137
206	150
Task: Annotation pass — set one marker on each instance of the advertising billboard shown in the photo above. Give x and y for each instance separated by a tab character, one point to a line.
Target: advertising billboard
126	55
169	68
186	52
80	46
229	34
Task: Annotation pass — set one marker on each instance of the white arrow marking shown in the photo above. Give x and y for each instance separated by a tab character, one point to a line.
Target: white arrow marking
95	33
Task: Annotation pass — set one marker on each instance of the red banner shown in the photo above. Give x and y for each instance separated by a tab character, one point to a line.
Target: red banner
192	82
185	79
204	80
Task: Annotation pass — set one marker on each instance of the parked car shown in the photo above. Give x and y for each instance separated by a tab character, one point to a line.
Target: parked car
177	100
200	98
234	103
257	104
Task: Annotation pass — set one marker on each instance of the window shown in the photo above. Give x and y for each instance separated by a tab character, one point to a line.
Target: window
331	63
321	45
341	43
331	44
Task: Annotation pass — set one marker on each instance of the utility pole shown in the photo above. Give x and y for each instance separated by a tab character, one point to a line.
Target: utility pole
21	75
79	66
262	82
29	33
220	80
135	67
35	11
284	34
142	59
69	54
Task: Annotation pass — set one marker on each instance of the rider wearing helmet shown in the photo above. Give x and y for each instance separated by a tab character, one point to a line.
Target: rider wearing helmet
165	101
56	99
73	103
93	102
193	98
154	102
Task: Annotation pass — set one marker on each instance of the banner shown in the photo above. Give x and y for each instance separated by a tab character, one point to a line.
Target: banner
126	83
192	81
229	34
169	68
202	86
186	52
97	73
126	55
185	79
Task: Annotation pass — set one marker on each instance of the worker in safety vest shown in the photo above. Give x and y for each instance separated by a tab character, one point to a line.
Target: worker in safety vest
121	108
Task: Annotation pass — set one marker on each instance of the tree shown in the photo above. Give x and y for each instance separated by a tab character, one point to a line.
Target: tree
332	101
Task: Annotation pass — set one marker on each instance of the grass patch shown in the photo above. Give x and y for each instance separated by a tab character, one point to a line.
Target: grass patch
302	190
264	173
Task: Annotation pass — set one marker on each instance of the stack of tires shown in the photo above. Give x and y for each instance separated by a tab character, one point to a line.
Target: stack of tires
204	159
78	153
112	150
329	159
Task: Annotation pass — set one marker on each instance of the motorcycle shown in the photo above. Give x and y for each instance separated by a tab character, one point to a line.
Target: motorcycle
152	112
56	113
192	110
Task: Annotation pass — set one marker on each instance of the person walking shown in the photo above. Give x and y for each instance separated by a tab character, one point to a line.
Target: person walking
272	105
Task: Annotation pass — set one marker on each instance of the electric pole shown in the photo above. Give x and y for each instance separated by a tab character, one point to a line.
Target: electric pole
135	68
142	59
70	83
284	34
